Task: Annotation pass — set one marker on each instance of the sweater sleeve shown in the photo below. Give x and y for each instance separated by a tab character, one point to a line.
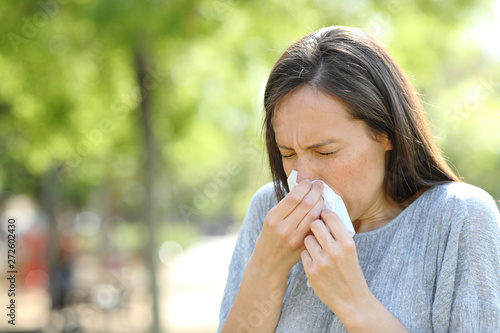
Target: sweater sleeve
470	276
245	244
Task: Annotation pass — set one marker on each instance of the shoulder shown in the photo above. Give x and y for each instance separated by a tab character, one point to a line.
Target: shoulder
465	198
264	199
463	190
449	208
462	209
468	278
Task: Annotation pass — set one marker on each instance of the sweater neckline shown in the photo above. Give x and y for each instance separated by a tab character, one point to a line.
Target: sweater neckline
395	221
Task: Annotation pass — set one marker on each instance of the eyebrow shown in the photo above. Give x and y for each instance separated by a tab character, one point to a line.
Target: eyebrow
316	145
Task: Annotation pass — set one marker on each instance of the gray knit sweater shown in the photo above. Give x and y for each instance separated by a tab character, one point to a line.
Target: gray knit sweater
436	266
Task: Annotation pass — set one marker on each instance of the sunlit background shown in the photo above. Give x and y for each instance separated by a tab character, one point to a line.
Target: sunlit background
131	141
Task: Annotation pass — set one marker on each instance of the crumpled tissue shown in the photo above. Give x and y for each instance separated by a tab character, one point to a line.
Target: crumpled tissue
332	201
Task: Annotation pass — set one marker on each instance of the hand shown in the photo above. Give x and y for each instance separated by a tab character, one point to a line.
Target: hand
281	241
332	267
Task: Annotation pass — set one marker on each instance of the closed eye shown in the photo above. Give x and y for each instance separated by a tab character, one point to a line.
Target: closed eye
287	156
326	154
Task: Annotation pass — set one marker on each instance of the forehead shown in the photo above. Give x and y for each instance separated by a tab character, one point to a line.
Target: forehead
311	109
310	101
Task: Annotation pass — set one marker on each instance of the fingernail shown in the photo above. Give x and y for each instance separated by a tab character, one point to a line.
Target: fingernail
320	183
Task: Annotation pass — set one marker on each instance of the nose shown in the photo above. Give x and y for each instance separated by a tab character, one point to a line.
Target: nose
305	171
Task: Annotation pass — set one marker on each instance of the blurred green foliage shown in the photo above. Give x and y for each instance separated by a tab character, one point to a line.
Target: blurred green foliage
69	94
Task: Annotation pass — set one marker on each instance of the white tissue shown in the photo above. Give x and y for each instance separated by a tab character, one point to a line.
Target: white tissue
332	201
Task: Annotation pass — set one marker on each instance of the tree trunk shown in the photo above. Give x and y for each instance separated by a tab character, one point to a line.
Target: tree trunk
148	175
48	198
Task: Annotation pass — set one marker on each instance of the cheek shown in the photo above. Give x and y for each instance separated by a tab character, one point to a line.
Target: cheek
288	165
349	181
357	178
341	174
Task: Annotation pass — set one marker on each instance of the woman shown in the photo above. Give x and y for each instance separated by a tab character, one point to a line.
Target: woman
425	256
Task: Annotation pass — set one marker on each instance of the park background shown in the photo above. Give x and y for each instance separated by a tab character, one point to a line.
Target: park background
131	139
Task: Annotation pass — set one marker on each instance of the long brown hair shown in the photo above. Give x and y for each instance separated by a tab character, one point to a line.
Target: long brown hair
353	67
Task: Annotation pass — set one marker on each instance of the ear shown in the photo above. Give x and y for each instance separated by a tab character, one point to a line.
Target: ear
384	140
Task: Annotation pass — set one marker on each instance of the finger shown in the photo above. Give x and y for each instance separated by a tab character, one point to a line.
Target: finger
306	258
313	247
286	206
337	228
309	201
304	226
323	236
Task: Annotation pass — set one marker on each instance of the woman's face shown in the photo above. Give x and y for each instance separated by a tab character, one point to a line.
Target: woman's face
317	137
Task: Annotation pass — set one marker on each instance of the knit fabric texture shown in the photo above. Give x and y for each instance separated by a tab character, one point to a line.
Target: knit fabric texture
435	267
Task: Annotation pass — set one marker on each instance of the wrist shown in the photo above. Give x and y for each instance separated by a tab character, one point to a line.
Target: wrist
368	314
263	269
355	313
